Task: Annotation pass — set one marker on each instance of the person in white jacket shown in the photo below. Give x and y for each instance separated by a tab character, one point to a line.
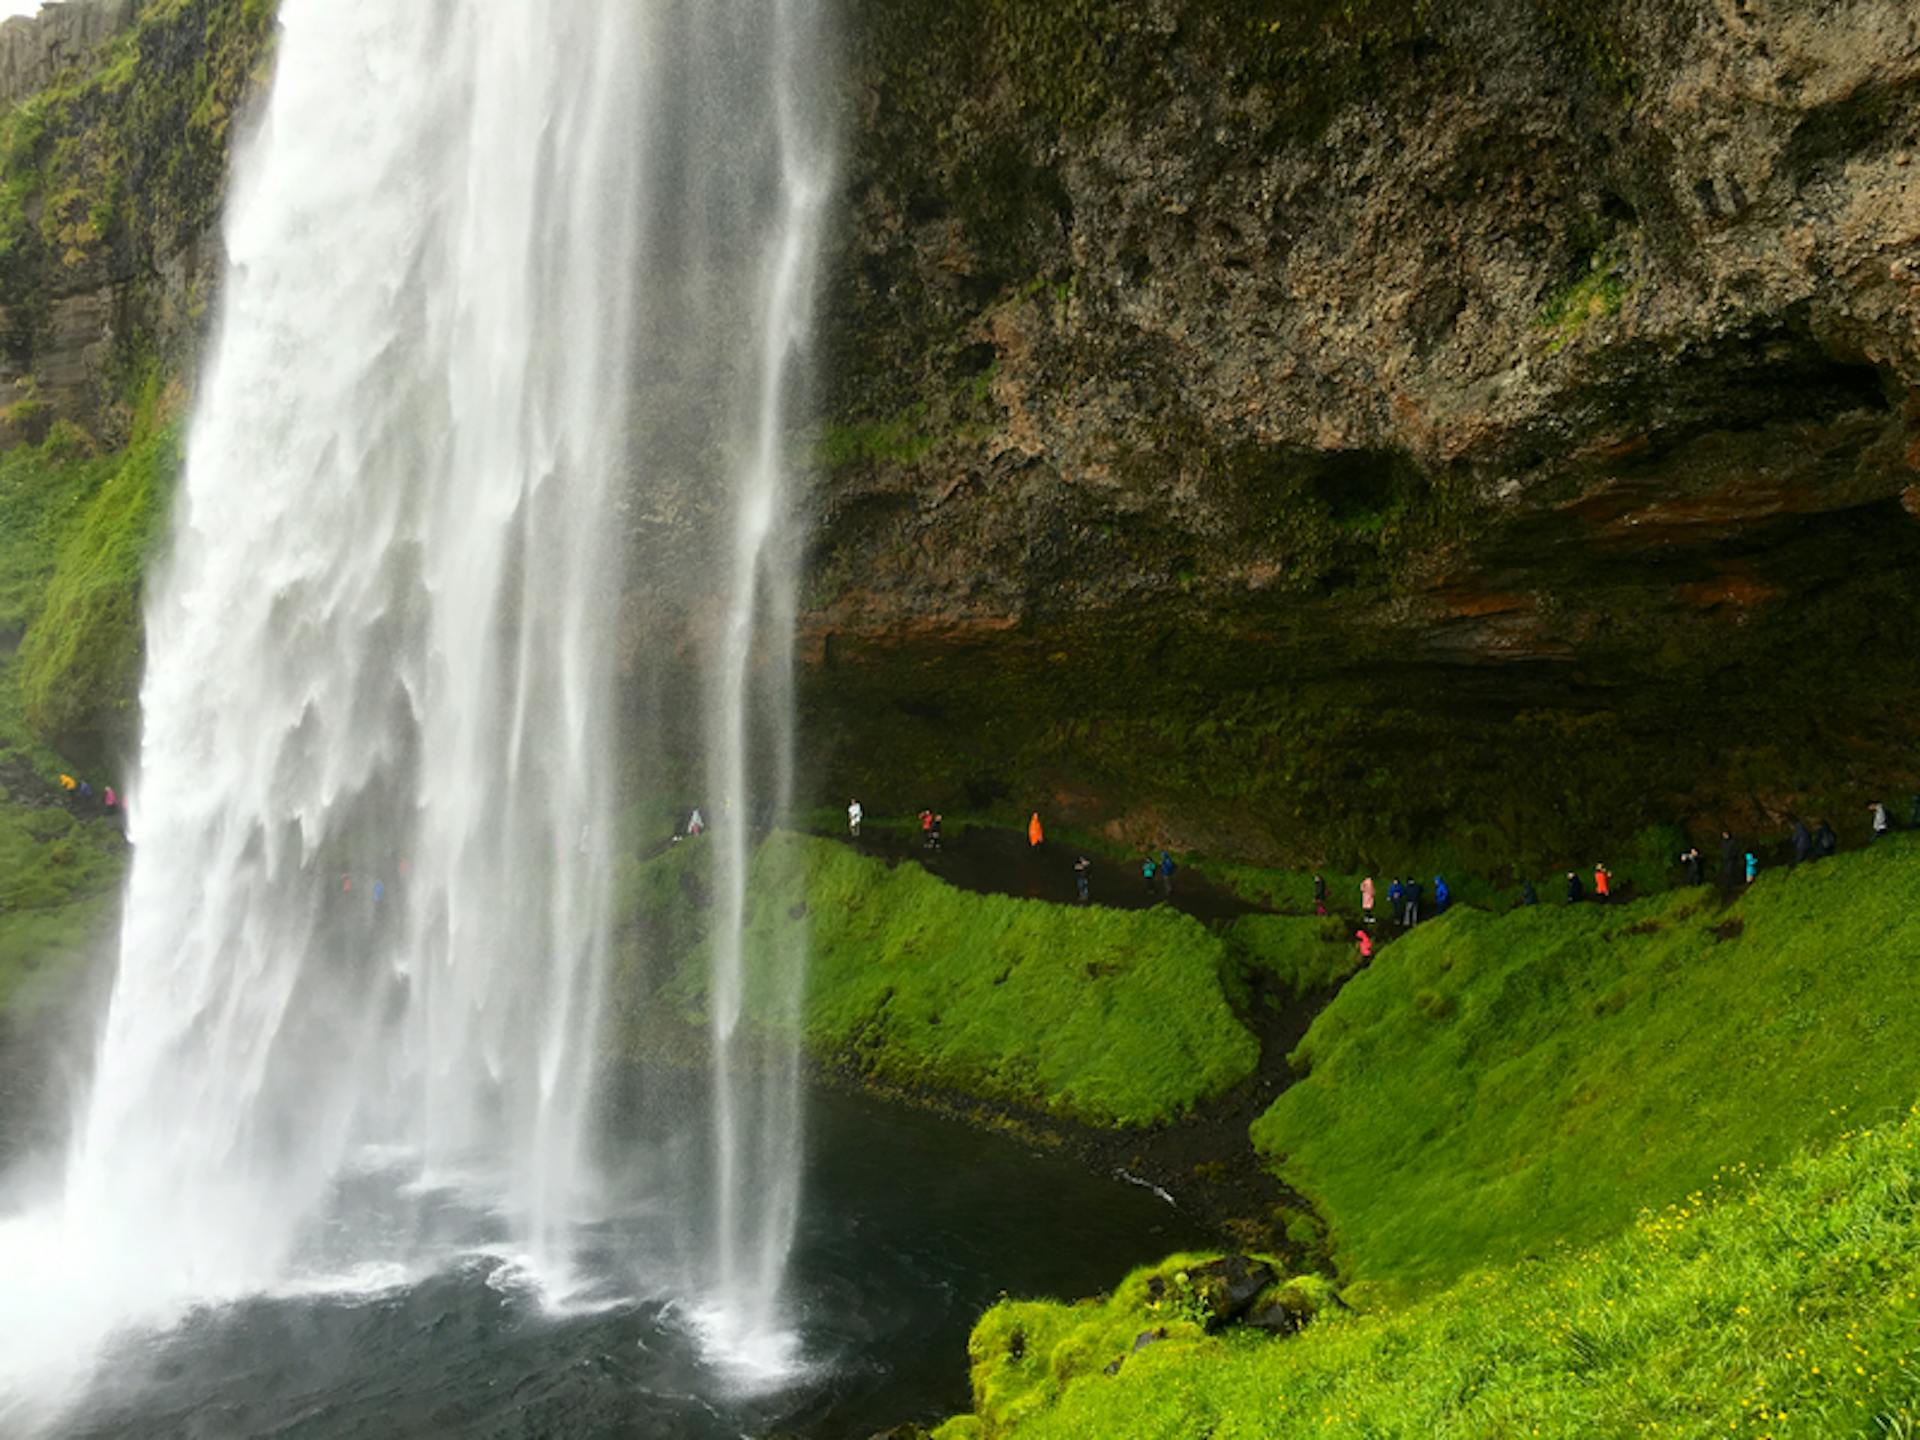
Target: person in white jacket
854	816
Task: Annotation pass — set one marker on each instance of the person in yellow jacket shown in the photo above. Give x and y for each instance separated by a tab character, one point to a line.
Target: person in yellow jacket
69	784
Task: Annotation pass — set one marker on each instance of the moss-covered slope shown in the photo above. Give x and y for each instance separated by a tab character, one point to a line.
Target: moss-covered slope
1105	1016
1493	1087
1781	1306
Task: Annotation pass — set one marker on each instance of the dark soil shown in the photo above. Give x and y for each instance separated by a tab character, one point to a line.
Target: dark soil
1001	862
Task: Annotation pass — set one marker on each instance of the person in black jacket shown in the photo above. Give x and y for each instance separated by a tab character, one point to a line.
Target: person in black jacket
1575	892
1528	898
1802	842
1825	842
1690	859
1729	860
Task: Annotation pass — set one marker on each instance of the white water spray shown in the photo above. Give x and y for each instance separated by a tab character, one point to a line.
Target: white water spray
367	923
757	1116
369	899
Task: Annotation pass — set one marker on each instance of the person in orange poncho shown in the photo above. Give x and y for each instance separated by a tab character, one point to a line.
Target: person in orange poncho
1034	833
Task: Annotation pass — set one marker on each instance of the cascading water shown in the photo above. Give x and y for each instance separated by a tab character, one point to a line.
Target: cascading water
368	911
756	1106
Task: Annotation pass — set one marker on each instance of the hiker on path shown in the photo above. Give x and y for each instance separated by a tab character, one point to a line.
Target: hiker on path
1802	842
1825	842
1366	944
933	833
1881	825
1729	859
1166	874
1083	879
697	824
1575	894
855	814
1690	858
1397	899
1528	897
1414	889
1442	897
1753	866
1320	895
1602	884
926	829
108	799
86	790
1147	872
69	784
1034	833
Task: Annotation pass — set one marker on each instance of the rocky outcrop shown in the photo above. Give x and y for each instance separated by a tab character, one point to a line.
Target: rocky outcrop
35	50
116	169
1292	423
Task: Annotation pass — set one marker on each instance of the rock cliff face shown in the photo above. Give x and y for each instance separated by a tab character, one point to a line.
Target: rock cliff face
1325	425
114	151
1310	428
36	50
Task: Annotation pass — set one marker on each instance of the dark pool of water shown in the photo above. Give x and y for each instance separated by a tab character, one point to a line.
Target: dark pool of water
912	1226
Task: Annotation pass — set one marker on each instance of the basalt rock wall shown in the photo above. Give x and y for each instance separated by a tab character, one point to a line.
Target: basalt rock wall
1296	429
1306	428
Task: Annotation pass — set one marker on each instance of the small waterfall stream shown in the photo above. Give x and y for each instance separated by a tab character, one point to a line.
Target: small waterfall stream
367	924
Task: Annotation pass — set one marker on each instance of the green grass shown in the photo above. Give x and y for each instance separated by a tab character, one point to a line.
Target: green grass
1494	1086
80	661
1105	1016
1783	1305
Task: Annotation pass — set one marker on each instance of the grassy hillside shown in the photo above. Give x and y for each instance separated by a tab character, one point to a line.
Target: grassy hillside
1495	1086
1112	1017
1783	1306
61	520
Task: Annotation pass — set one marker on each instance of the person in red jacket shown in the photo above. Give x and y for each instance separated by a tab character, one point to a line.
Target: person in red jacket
1366	944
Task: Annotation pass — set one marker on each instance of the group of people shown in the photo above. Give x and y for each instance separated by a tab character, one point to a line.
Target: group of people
81	790
1406	897
1156	873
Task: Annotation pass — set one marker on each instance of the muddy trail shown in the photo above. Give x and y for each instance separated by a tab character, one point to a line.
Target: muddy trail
991	861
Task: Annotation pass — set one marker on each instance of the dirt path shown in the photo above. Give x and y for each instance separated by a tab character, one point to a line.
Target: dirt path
1001	862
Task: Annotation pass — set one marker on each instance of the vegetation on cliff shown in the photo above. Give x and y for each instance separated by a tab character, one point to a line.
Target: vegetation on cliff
119	167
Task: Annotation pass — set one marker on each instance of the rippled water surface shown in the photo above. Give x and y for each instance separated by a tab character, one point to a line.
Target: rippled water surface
913	1225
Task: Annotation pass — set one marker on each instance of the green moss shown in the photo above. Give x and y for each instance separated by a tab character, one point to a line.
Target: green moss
1533	1079
1781	1307
57	878
900	440
80	662
1595	294
1111	1017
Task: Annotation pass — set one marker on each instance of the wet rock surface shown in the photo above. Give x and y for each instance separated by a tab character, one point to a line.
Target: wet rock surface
1515	363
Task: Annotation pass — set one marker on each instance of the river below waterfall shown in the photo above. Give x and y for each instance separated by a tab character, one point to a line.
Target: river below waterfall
912	1225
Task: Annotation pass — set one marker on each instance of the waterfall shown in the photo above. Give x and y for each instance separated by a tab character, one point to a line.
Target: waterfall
367	918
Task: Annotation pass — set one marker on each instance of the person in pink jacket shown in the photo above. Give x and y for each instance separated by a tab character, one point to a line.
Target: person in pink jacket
1366	899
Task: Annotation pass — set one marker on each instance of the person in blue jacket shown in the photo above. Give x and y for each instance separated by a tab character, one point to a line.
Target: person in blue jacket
1442	897
1397	898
